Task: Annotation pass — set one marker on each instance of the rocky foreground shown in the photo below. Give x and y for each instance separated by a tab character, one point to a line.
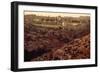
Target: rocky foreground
76	49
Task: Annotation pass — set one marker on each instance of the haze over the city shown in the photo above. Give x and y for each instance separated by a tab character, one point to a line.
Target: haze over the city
54	14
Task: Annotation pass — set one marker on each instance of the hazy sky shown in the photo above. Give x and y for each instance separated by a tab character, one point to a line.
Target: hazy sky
54	14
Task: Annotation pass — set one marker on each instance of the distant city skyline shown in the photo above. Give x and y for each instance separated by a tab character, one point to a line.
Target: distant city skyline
55	14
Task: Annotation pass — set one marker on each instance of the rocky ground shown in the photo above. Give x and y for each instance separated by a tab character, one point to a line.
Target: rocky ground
76	49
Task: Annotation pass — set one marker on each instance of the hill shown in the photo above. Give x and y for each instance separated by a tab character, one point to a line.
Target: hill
76	49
